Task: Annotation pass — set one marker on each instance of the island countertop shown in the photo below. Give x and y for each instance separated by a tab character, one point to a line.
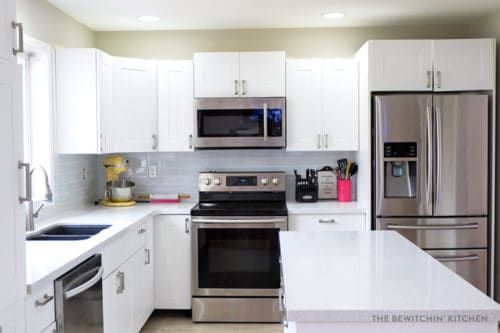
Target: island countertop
373	276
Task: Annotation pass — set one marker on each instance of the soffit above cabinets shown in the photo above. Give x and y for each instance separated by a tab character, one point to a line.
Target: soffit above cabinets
253	14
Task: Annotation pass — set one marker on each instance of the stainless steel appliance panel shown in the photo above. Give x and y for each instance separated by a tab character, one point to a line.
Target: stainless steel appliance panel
263	310
440	233
461	155
232	223
400	120
78	298
471	265
240	123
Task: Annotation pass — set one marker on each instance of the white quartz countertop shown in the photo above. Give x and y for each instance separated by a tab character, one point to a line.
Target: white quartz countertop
349	276
47	260
325	207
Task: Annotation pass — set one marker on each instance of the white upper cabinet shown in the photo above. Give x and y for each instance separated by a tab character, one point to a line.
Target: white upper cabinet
399	65
432	65
340	105
303	98
322	105
235	74
175	105
262	74
135	106
12	251
216	74
464	64
83	101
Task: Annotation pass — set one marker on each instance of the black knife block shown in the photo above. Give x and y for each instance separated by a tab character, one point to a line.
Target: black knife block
306	191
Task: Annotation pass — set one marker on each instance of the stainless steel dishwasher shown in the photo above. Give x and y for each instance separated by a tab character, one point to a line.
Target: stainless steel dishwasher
79	298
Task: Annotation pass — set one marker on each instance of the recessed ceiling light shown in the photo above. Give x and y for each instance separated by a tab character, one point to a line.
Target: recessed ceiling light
333	15
148	18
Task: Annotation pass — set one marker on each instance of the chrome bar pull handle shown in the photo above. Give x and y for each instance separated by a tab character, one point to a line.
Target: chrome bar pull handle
147	252
468	226
141	231
121	278
429	79
244	87
236	87
28	194
319	141
429	155
43	301
155	142
326	141
438	78
20	37
190	141
439	146
186	225
265	122
328	221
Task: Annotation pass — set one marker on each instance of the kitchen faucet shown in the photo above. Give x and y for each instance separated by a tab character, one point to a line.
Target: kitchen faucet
32	214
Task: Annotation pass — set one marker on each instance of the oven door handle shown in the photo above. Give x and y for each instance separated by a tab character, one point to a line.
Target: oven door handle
248	221
239	226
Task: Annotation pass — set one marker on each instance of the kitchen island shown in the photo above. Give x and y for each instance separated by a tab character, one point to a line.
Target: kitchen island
375	281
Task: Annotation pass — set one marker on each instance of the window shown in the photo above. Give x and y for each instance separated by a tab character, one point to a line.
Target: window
37	66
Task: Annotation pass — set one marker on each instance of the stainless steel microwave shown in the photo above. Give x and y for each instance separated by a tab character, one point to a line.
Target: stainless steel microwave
239	123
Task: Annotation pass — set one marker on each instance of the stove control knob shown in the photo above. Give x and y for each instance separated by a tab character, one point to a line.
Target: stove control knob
276	181
264	181
207	181
217	181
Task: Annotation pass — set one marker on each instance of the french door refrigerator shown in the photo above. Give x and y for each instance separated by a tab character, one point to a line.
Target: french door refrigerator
431	172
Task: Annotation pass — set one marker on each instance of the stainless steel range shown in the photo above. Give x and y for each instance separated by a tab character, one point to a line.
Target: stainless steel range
236	269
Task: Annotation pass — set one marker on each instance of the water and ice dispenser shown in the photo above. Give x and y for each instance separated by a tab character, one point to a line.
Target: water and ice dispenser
400	169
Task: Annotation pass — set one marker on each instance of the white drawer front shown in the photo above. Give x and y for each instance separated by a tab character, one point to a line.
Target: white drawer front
40	309
334	222
116	253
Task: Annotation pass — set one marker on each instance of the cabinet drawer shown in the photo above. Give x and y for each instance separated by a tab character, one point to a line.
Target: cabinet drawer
39	308
334	222
116	253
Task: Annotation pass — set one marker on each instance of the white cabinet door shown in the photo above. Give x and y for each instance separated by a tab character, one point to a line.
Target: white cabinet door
104	100
399	65
331	222
135	106
304	91
136	268
149	290
216	74
12	252
172	262
117	307
175	105
340	105
464	64
262	74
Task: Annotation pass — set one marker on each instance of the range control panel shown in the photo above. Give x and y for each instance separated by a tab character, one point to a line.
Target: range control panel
241	182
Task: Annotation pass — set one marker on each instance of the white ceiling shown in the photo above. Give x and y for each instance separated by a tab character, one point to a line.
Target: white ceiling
246	14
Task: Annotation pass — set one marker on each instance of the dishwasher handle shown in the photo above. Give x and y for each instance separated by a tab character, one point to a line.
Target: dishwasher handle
87	285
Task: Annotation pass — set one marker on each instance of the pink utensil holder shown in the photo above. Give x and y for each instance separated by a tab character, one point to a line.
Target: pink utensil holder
344	190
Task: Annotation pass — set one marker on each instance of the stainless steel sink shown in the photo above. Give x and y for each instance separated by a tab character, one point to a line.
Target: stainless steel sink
68	232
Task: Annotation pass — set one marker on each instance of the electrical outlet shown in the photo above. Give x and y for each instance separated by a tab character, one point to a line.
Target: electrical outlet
152	171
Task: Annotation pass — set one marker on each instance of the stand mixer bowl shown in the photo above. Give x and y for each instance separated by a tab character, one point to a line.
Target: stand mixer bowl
119	190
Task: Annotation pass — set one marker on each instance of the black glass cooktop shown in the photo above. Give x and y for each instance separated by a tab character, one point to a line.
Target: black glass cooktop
254	208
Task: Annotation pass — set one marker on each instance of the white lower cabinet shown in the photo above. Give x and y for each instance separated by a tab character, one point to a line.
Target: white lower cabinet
127	291
172	282
39	309
12	318
327	222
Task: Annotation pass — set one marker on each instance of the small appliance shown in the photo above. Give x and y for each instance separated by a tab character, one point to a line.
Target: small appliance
119	192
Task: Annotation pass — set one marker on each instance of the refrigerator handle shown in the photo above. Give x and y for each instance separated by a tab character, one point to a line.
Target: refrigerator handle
439	143
429	155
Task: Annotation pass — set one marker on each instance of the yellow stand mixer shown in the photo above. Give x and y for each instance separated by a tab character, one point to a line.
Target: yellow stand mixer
119	193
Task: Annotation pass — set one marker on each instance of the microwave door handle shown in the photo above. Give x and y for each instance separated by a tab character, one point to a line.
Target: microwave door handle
265	121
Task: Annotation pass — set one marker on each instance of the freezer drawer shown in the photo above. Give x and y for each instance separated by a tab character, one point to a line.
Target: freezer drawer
440	233
471	265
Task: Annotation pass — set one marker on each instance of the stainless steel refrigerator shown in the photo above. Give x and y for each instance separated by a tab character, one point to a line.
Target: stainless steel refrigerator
430	175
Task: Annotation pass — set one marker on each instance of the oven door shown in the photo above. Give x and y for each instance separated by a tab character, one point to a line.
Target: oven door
239	123
236	256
